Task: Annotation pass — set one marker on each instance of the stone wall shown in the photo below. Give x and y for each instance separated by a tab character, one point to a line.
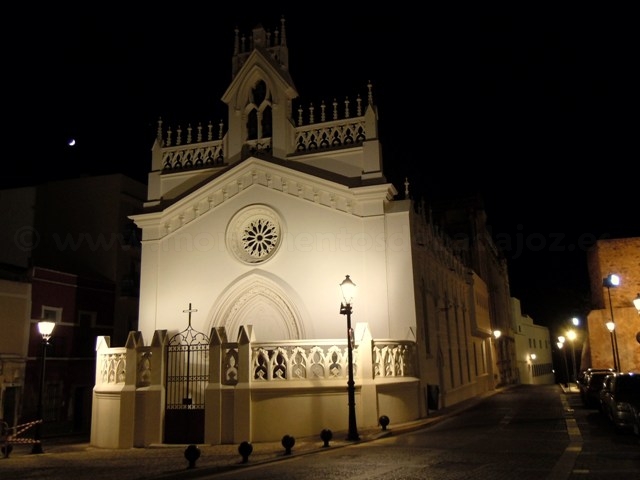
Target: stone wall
622	257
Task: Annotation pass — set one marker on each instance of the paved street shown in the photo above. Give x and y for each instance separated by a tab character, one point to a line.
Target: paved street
524	432
75	458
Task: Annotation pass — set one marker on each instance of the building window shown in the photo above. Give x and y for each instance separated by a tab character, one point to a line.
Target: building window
52	314
252	125
266	122
259	115
254	234
87	319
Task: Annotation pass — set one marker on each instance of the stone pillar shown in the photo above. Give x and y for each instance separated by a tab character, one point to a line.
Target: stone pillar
213	410
367	400
242	398
113	411
150	392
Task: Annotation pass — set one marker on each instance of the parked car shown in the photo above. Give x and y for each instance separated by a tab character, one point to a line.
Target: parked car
619	395
583	378
635	413
590	394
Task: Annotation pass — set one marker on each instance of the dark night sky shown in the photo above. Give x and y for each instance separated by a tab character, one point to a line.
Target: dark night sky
531	107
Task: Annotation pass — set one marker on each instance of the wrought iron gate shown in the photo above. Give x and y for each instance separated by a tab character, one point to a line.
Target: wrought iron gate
186	381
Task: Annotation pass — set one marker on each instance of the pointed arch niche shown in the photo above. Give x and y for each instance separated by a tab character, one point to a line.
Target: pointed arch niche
262	301
258	112
255	100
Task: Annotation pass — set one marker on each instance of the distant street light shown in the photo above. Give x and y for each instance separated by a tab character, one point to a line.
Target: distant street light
348	289
45	329
609	282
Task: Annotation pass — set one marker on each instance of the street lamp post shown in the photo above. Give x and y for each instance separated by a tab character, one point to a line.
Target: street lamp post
576	323
496	335
611	326
571	335
560	344
45	329
348	289
610	281
532	370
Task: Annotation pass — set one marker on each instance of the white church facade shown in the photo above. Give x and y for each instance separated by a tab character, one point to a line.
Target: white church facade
247	233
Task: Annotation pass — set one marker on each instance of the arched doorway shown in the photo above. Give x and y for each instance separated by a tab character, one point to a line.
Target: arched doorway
262	301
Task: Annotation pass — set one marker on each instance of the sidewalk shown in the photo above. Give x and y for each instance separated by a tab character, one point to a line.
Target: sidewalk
68	458
569	388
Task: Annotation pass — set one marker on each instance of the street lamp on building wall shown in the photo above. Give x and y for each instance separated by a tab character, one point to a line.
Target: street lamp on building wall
348	289
610	282
45	329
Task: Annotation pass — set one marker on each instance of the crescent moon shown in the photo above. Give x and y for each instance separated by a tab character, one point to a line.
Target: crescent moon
72	142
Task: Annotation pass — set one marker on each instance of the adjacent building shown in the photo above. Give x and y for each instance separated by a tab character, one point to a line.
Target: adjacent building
533	349
613	303
70	255
15	300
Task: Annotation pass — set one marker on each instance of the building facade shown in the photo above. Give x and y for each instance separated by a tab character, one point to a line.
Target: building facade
615	303
534	351
248	230
15	301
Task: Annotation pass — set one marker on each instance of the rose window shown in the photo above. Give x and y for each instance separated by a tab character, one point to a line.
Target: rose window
260	238
253	235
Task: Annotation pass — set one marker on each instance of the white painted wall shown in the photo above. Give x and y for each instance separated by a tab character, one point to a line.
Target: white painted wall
320	245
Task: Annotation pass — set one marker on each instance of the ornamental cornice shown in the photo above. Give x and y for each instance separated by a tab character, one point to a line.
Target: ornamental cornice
256	172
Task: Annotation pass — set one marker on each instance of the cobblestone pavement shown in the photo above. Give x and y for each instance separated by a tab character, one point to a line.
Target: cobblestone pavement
63	460
74	459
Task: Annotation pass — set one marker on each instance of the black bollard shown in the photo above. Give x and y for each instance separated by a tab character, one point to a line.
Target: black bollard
192	453
288	442
326	435
384	421
6	450
245	449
